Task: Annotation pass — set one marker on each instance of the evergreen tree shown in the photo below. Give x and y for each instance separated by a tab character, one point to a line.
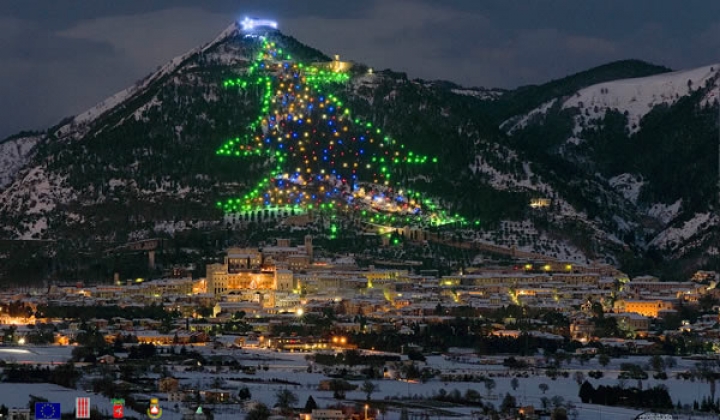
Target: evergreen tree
244	393
587	392
509	403
310	404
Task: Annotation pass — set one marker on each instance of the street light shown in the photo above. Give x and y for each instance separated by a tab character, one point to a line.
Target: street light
366	409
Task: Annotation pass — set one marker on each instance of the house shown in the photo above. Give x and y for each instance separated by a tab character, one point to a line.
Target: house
325	414
216	395
107	359
19	414
168	384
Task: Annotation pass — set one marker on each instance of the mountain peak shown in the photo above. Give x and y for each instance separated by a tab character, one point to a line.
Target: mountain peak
246	26
232	30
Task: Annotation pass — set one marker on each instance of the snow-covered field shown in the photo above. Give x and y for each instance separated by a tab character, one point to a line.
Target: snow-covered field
293	367
36	355
18	395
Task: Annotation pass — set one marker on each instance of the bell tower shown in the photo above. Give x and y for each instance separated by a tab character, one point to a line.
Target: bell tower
309	246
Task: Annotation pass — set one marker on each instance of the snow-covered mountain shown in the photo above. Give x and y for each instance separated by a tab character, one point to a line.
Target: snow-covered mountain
633	97
652	139
142	163
14	154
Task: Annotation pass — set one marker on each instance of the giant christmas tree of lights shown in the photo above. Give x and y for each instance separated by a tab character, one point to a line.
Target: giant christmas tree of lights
321	157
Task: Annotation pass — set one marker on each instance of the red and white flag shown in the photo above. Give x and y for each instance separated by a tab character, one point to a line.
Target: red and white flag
82	407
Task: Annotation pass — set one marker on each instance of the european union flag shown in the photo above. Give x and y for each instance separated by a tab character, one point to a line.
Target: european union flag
47	410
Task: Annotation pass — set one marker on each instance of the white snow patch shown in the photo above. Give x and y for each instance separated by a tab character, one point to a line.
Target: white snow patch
664	212
14	154
515	123
484	94
675	236
141	111
638	96
33	196
629	185
105	105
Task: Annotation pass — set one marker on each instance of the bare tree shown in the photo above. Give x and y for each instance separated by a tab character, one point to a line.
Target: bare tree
368	387
490	385
708	371
579	377
285	400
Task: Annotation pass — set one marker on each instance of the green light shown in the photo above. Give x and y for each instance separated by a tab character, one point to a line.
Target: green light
262	75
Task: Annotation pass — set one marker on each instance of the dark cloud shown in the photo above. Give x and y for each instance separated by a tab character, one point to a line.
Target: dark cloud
31	42
58	14
59	58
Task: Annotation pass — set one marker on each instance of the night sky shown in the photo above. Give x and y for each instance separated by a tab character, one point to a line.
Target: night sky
58	58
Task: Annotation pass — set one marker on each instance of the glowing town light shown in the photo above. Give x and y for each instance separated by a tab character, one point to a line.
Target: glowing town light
250	24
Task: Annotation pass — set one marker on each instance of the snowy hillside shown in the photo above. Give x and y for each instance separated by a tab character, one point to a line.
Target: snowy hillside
14	154
676	237
636	96
87	117
484	94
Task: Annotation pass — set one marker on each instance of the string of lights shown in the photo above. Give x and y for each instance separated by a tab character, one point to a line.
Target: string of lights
323	158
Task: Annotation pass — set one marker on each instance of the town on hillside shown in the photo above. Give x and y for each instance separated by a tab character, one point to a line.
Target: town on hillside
280	331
